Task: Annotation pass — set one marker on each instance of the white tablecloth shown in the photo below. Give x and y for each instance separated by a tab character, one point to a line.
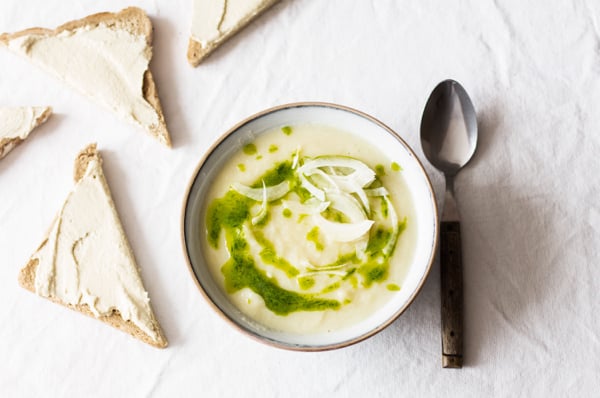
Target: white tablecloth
529	199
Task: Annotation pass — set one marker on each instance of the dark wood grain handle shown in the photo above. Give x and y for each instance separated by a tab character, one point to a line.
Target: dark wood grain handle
452	294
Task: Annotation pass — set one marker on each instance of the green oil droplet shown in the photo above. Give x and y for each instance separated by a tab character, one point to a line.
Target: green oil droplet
396	166
306	282
249	149
393	287
331	288
313	236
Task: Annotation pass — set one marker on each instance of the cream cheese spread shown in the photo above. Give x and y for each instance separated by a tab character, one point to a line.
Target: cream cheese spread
213	19
18	122
105	64
87	259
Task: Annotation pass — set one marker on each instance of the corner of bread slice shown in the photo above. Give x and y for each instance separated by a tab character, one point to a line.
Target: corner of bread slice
27	275
38	115
82	160
45	113
150	91
4	39
135	21
132	20
27	282
198	51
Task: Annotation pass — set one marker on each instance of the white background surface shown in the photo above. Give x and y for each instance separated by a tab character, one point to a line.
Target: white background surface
529	200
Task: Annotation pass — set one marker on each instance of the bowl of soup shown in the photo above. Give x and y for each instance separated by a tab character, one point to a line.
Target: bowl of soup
310	226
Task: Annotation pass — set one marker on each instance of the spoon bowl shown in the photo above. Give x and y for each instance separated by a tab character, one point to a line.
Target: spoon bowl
449	127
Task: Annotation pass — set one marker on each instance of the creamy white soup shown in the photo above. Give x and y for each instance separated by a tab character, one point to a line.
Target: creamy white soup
309	229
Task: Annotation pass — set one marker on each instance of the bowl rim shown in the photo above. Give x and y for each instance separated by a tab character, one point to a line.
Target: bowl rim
271	342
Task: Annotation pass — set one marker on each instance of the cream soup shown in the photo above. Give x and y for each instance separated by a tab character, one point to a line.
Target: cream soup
309	229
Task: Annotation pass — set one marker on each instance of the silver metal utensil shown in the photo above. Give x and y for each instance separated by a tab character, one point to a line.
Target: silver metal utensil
449	139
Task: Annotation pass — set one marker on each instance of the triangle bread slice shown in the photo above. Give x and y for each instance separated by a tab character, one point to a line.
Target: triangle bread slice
17	122
215	21
105	57
85	261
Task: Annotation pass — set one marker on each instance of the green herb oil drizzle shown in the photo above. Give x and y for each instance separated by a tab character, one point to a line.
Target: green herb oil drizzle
232	213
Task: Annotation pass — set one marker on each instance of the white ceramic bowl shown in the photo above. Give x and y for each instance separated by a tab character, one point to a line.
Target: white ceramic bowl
341	118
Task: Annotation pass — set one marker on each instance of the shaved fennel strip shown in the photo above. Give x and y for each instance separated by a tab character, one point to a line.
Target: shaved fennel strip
263	207
348	205
343	232
314	191
387	250
373	192
273	193
332	184
324	272
316	268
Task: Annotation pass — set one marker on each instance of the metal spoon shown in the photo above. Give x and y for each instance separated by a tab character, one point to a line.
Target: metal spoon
449	139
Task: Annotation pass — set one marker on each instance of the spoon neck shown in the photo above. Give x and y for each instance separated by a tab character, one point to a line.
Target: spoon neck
450	211
450	182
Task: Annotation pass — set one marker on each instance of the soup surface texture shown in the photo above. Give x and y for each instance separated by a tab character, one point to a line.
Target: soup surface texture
308	229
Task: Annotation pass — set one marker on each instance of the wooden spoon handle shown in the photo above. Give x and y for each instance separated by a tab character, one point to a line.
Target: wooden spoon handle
452	294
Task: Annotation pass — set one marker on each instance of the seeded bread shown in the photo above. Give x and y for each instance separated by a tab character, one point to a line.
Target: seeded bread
27	274
198	51
133	20
7	144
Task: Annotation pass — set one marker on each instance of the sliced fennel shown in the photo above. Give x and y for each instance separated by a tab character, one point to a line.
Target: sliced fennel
262	213
272	193
343	232
322	271
320	177
348	205
296	158
316	206
317	268
361	174
311	188
336	196
389	247
374	192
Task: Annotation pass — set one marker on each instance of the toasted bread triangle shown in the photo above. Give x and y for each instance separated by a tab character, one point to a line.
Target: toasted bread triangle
38	115
199	50
27	276
131	20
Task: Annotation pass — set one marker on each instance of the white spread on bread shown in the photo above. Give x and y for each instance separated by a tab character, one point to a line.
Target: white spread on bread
212	19
87	259
18	122
105	64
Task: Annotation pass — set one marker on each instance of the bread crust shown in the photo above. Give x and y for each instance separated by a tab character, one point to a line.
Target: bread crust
133	20
7	144
197	52
27	274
